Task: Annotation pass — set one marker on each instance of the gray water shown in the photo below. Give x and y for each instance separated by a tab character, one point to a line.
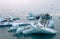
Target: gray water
4	34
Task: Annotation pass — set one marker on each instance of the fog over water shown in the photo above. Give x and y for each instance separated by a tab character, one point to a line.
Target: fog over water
18	7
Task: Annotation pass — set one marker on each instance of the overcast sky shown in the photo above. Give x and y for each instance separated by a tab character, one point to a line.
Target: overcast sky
17	7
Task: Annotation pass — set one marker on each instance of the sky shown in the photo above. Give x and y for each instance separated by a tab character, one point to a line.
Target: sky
18	7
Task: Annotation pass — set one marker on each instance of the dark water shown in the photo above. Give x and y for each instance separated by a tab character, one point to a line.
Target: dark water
4	34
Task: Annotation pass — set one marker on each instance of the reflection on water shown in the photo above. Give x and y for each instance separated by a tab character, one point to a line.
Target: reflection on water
40	36
4	34
35	36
